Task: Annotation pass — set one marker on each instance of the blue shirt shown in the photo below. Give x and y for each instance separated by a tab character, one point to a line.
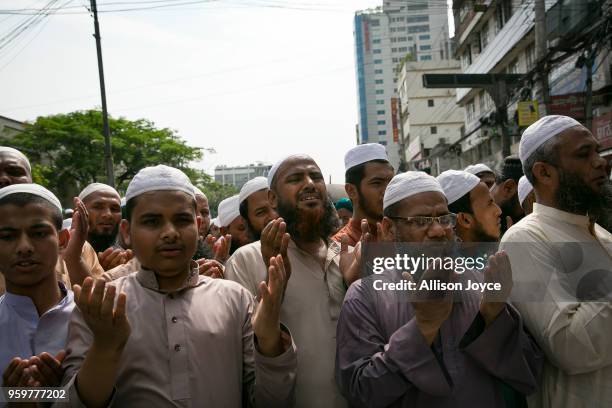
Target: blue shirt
24	334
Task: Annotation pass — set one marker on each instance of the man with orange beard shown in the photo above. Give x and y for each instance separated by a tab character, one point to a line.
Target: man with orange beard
315	291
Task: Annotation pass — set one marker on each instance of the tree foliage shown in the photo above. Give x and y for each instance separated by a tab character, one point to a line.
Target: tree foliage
67	151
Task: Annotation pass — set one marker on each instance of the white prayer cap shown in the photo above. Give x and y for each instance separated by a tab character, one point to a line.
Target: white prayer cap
215	222
279	163
33	189
228	211
6	149
67	224
252	186
123	201
542	131
457	183
524	188
198	192
478	168
94	188
158	178
407	184
364	153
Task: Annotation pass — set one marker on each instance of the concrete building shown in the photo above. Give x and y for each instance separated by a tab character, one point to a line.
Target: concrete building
10	127
498	36
238	175
431	117
385	37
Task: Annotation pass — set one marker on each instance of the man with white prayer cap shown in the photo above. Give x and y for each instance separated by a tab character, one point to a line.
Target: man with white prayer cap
367	173
231	222
255	206
526	195
401	349
316	286
478	217
203	210
103	205
176	337
14	167
36	308
552	248
483	172
79	259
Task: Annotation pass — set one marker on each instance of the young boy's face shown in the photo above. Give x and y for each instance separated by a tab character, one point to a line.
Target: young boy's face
163	231
29	244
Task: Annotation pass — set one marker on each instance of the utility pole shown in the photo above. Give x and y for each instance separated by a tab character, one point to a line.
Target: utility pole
541	52
108	155
589	60
403	166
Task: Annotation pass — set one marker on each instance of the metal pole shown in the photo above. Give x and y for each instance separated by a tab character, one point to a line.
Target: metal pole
541	51
403	162
108	156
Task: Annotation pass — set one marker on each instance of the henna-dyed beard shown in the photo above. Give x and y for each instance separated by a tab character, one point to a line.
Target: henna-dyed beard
309	225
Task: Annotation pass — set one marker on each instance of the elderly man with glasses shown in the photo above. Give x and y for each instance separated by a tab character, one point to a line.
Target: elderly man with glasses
431	348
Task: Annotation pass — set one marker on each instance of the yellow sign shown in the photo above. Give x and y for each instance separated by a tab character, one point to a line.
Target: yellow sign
528	113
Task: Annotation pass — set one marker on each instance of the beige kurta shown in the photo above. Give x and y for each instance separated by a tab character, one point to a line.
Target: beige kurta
311	308
189	348
89	257
574	335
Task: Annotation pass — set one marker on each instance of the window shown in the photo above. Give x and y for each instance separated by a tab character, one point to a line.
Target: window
393	39
401	39
383	142
380	112
430	103
403	49
484	35
433	130
418	29
401	29
392	29
376	51
378	61
381	122
393	49
376	41
408	38
417	19
380	91
382	132
425	58
424	37
395	60
470	111
530	57
425	47
378	81
378	71
380	102
375	23
418	6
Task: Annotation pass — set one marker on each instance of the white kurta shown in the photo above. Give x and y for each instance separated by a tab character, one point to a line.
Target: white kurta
574	335
311	308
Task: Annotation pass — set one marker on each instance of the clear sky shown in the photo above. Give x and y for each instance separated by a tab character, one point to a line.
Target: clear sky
253	79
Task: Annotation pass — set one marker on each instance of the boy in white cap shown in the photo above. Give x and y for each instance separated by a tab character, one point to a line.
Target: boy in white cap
232	223
561	160
526	195
483	172
367	174
175	337
478	217
103	205
316	286
78	260
255	207
36	308
402	350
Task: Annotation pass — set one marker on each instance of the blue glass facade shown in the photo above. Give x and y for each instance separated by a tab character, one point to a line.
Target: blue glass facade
363	113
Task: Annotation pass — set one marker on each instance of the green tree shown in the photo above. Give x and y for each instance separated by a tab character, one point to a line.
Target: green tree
67	150
214	191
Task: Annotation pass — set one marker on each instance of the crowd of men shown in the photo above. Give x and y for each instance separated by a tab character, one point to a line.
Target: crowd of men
144	300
